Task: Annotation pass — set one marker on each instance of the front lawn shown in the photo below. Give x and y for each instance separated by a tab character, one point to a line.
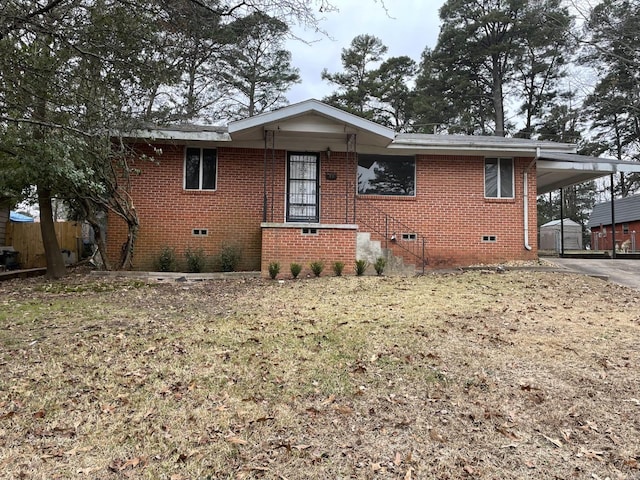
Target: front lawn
476	375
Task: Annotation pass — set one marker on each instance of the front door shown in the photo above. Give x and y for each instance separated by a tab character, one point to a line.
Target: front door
302	187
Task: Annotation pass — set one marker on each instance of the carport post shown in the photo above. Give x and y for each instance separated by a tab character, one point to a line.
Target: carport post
613	221
561	222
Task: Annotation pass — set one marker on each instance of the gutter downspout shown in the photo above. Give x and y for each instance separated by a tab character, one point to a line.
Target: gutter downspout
525	192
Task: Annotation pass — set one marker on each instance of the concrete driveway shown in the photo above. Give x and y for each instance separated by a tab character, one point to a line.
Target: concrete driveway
622	272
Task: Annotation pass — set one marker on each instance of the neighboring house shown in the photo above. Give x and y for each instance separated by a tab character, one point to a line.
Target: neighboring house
310	182
551	234
627	218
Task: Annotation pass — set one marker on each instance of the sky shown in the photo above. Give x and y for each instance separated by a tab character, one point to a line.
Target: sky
406	28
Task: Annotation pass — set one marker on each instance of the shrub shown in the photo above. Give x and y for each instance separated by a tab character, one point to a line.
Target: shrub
196	260
166	261
229	258
274	270
379	265
295	268
316	268
361	266
337	268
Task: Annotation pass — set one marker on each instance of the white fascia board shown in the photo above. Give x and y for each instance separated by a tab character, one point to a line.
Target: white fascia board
475	144
603	166
179	135
310	106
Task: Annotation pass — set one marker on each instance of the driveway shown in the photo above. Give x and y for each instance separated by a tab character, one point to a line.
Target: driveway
622	272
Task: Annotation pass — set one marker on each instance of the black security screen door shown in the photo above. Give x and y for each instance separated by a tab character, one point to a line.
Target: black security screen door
302	187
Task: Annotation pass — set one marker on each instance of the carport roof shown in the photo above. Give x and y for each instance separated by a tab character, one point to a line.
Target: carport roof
558	170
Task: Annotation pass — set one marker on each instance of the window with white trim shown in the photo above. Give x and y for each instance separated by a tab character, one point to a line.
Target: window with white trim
200	169
498	178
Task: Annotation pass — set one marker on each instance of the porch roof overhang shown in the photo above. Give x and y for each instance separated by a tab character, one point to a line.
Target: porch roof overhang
182	133
310	125
557	170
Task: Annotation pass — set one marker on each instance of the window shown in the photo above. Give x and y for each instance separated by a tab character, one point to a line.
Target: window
489	239
386	175
200	232
411	237
309	231
498	177
200	168
625	228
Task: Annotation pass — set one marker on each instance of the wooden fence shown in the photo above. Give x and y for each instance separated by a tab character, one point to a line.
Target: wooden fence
27	240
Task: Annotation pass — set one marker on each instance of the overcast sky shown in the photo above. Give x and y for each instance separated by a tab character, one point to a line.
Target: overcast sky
406	28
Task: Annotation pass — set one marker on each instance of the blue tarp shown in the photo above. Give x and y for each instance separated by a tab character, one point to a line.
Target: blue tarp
18	217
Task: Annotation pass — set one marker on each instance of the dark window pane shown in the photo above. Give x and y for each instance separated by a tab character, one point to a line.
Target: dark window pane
192	169
506	177
208	169
386	175
491	177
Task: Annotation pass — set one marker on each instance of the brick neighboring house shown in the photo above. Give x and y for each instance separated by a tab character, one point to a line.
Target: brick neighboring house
627	227
311	182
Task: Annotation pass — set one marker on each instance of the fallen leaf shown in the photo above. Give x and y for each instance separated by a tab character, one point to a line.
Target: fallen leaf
398	459
436	437
134	462
236	441
557	443
76	450
39	414
301	447
344	409
408	474
631	463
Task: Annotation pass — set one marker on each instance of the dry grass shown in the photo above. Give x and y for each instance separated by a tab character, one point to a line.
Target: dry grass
475	375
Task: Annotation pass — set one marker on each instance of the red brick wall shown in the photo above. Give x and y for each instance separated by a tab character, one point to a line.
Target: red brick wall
604	241
449	210
168	213
287	245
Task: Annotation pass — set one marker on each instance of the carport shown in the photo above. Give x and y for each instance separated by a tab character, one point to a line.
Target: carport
555	171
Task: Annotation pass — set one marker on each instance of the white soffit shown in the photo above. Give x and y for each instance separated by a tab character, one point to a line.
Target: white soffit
558	170
310	119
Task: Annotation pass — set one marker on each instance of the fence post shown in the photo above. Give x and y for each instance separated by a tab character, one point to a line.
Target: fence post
423	250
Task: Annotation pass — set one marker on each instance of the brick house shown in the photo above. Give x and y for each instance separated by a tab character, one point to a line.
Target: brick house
627	224
310	182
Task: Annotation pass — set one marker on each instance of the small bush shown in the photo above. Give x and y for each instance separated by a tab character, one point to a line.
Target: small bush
166	261
295	268
337	268
316	268
196	260
361	266
274	270
379	265
229	258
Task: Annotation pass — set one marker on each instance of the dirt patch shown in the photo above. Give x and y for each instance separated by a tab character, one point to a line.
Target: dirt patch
474	375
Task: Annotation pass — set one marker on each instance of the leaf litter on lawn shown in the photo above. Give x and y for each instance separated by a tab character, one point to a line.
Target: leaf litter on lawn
474	375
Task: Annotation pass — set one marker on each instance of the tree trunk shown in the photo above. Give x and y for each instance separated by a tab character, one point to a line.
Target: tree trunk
55	263
498	98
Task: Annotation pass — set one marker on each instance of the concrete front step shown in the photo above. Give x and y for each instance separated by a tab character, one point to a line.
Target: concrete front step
371	250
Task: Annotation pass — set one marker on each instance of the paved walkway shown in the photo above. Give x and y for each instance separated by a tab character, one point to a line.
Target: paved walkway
622	272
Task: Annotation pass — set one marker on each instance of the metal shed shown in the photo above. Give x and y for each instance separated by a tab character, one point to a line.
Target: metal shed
550	235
